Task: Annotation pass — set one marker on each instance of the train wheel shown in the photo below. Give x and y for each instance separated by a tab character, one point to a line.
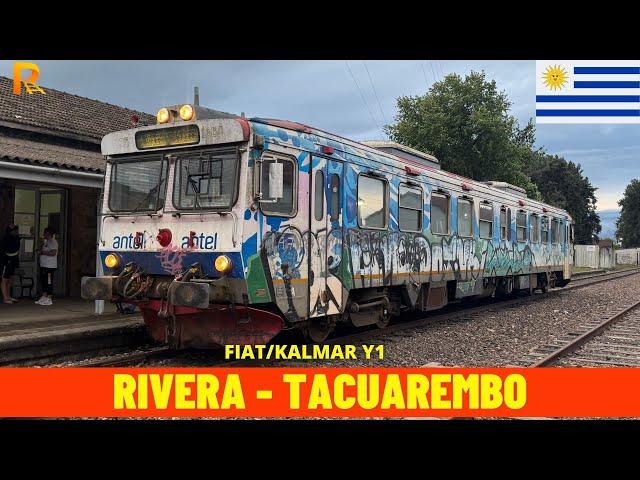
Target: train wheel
318	331
545	287
383	319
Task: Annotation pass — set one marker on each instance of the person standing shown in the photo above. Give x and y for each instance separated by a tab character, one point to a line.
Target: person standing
48	265
9	261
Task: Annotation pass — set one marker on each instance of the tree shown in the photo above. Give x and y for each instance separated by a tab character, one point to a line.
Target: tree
562	184
466	124
628	224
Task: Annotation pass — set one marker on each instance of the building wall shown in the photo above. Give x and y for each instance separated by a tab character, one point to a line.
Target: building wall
81	236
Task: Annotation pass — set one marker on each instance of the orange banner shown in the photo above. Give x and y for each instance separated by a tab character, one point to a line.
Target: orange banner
319	392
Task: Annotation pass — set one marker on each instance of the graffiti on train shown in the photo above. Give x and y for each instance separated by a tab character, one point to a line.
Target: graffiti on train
381	258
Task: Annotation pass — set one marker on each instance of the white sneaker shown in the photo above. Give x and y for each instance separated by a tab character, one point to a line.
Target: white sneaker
47	301
39	301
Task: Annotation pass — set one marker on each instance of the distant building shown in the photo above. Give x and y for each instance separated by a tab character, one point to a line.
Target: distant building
51	174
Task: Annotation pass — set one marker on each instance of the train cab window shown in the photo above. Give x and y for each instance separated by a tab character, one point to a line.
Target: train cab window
409	208
439	213
465	218
534	229
544	228
554	231
521	226
335	197
319	195
373	209
505	223
486	220
284	206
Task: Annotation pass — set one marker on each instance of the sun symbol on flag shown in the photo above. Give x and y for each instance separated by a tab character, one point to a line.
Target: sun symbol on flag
555	77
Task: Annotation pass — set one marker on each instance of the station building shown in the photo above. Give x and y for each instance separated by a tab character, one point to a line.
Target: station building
51	174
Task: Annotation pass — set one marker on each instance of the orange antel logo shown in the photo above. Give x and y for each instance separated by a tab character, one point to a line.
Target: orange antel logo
30	83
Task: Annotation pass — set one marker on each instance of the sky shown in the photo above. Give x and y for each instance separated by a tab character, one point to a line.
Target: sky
350	98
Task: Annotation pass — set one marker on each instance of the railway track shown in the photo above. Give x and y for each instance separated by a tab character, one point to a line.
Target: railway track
459	313
611	342
455	312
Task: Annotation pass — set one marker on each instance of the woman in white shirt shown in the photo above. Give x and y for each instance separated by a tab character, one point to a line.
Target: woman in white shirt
48	265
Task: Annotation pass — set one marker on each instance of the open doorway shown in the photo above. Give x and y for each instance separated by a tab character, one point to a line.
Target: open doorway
36	208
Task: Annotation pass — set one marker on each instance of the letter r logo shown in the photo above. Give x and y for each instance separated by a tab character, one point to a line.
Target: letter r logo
30	83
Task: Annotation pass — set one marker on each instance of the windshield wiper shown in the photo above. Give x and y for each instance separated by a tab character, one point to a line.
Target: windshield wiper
147	197
196	190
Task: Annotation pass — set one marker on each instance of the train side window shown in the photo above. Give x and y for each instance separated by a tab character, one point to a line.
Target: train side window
439	213
521	226
409	208
554	231
572	234
534	229
465	218
544	227
319	195
335	197
373	211
285	206
486	220
560	232
505	223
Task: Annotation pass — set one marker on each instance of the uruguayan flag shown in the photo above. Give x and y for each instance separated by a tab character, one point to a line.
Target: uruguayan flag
576	91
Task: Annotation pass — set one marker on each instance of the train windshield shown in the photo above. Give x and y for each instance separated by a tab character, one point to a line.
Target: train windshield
207	179
138	184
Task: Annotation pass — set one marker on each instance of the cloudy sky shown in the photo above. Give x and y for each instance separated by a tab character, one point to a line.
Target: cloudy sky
354	99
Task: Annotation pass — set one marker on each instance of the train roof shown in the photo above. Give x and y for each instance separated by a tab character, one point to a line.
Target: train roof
413	161
371	150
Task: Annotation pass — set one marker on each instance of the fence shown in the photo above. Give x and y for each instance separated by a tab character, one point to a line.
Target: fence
586	256
628	256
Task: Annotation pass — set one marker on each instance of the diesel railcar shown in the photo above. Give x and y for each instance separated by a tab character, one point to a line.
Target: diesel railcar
227	230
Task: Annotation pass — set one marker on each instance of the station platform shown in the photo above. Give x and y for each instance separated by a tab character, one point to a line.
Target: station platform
69	326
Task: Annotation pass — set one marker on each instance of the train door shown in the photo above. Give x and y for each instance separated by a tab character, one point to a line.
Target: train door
325	237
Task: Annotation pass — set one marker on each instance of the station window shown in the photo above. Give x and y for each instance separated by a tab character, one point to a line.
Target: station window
505	223
534	229
521	226
544	227
319	195
486	220
439	213
284	206
372	202
335	197
409	208
554	231
465	218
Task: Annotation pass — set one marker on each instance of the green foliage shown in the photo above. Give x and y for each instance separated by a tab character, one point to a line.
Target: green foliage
466	124
562	184
628	224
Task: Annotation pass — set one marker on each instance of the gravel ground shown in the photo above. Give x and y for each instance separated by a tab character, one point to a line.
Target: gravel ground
498	337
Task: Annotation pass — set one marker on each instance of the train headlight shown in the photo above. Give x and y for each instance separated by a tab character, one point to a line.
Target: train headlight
186	112
163	115
223	264
112	261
